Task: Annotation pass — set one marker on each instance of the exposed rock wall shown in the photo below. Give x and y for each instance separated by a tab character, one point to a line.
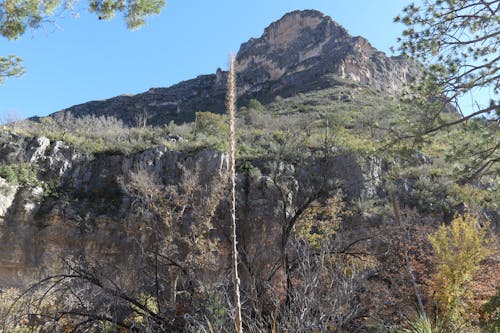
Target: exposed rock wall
301	52
82	208
303	46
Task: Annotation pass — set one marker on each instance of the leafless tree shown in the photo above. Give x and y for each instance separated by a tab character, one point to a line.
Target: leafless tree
325	296
174	253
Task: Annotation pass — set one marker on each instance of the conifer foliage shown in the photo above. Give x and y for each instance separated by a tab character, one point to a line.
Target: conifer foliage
19	16
458	41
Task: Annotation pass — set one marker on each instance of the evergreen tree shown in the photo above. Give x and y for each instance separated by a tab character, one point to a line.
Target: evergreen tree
18	16
458	42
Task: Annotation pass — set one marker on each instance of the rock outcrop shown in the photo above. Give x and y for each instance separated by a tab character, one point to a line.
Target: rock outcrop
80	207
303	51
306	50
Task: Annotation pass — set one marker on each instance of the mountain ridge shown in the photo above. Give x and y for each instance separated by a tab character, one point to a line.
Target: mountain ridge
303	51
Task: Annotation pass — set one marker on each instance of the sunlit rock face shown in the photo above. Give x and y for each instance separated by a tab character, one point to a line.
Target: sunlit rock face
7	195
302	51
295	43
296	52
88	212
80	208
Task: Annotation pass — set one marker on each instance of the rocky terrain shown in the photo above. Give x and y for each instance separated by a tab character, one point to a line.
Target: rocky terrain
80	206
141	212
301	52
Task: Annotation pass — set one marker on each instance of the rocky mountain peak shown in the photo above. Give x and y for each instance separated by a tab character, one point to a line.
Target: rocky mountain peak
303	46
293	27
287	44
303	51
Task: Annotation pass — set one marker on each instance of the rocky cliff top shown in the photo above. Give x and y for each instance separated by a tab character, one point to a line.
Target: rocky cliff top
302	51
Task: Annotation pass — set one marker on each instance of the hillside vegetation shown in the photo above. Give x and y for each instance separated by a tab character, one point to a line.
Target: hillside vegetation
358	198
430	180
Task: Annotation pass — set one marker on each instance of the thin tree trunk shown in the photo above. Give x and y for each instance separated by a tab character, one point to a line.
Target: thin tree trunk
231	110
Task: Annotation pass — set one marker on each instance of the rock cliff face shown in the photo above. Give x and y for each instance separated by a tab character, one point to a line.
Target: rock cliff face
80	207
303	51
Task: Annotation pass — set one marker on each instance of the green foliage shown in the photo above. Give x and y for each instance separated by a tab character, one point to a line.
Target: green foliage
210	124
10	66
492	313
254	104
459	247
367	206
430	194
214	309
428	184
24	174
319	223
211	130
20	15
247	166
278	129
17	16
474	149
363	123
146	301
457	41
135	12
101	134
423	324
477	199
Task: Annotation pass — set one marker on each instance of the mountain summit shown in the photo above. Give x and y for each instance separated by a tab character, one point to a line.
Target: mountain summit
303	46
303	51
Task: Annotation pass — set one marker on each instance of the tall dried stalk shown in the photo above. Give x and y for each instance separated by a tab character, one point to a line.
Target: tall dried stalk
231	110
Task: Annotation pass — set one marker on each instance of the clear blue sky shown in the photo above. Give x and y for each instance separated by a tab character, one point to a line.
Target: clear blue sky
80	59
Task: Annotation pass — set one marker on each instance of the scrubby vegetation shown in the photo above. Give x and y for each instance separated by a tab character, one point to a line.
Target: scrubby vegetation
24	174
409	246
459	249
436	179
368	123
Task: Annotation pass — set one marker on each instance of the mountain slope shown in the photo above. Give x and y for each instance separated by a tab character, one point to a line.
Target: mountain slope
301	52
142	214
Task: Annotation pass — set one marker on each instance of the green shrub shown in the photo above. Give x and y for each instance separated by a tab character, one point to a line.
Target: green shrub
210	124
320	222
492	313
367	206
254	104
423	324
459	248
23	174
430	194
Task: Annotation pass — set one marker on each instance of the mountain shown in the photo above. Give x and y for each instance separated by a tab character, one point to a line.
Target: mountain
127	228
303	51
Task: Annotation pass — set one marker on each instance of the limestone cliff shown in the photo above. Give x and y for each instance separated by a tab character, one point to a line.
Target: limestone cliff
66	203
303	51
79	206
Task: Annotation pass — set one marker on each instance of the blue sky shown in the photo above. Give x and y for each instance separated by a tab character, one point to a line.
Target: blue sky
75	60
